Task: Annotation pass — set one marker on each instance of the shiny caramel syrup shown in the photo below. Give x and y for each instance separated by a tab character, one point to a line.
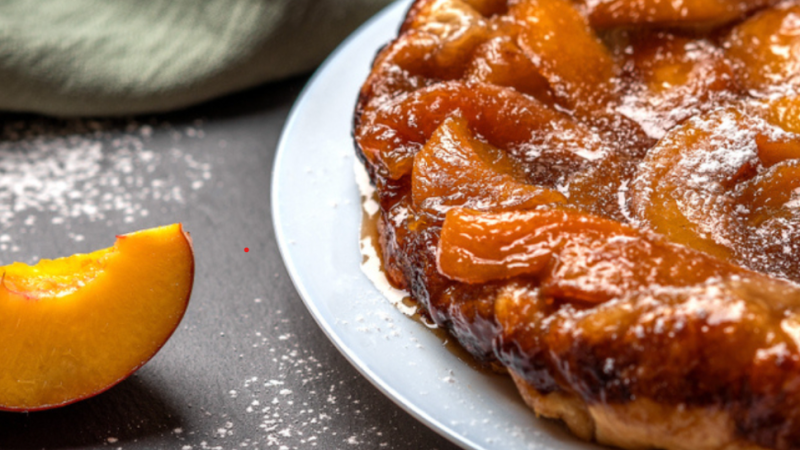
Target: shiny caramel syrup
407	305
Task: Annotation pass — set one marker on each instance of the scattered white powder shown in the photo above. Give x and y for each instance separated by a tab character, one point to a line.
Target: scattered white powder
79	171
301	417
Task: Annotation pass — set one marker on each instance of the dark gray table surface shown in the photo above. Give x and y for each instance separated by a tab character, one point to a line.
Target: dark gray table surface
248	367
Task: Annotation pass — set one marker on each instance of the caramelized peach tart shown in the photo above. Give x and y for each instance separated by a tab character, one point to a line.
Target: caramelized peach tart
602	198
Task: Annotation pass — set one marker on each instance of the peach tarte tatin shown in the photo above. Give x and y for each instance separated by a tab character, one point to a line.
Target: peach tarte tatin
602	197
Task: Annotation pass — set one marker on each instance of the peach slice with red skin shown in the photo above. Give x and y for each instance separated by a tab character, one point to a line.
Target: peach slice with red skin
73	327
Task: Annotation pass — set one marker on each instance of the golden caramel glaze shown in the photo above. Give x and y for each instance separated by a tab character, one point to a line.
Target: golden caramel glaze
603	196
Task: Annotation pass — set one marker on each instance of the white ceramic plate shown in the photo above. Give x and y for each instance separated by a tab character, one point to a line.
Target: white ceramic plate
317	215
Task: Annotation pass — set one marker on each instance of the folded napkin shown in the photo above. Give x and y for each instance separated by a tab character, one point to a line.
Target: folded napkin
100	57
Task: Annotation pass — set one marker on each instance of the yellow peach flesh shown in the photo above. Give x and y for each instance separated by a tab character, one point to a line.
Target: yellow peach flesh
71	328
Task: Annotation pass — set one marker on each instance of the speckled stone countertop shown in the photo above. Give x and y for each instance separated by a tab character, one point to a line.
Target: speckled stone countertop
248	367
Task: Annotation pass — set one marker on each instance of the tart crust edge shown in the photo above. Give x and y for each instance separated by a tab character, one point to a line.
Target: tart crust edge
639	424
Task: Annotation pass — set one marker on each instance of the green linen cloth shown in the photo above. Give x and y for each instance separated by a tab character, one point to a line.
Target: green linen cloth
114	57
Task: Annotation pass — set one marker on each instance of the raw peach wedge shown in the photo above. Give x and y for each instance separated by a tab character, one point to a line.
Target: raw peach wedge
70	328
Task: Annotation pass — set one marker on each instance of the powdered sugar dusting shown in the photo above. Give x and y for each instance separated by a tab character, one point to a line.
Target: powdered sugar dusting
731	145
713	170
84	171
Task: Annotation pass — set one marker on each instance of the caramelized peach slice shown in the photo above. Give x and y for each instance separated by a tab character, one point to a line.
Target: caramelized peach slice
687	13
678	191
784	112
771	152
73	327
500	61
770	194
454	169
581	71
402	66
674	78
765	50
391	135
436	43
446	18
709	182
574	255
